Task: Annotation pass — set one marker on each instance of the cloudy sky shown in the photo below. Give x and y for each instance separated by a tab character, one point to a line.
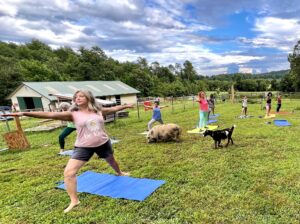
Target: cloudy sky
220	36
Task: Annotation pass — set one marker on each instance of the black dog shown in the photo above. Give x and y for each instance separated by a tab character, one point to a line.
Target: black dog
219	135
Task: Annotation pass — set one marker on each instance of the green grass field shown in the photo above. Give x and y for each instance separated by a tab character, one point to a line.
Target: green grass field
254	181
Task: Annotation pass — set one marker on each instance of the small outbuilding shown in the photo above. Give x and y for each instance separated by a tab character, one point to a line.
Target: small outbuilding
30	96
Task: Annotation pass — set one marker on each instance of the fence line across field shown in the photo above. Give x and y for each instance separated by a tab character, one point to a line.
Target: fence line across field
186	102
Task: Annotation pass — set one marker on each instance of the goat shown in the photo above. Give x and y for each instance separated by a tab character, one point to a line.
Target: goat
218	135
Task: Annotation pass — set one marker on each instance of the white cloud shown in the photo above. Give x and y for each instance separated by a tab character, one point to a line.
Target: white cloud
167	31
133	26
277	33
41	30
201	58
8	9
159	17
62	4
245	70
174	7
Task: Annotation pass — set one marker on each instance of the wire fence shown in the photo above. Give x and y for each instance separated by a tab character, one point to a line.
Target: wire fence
187	102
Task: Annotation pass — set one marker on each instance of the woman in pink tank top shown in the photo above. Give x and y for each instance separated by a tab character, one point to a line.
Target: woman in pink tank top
203	110
87	116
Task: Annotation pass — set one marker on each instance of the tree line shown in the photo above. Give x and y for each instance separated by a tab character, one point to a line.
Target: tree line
36	61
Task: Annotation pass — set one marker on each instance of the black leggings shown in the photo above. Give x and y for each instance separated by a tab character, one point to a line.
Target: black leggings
278	107
63	135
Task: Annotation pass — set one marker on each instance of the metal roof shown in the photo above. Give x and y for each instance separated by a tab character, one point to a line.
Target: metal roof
98	88
70	97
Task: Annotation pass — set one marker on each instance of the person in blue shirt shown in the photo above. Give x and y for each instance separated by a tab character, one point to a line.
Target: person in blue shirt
156	116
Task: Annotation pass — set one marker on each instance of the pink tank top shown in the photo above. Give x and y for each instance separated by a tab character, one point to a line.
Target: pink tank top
203	105
90	129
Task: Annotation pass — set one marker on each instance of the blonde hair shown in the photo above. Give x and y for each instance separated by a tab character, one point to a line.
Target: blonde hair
199	94
93	105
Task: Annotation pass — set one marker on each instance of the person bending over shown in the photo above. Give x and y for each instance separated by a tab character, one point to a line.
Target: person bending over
67	130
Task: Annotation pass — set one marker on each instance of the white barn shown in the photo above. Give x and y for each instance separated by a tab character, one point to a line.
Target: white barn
38	95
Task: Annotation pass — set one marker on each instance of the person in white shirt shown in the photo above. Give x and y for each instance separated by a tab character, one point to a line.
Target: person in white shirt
244	106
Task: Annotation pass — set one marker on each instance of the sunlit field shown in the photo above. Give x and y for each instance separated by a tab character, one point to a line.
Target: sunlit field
256	180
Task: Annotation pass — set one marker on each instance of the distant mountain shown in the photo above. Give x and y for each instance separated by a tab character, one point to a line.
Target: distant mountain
271	75
237	76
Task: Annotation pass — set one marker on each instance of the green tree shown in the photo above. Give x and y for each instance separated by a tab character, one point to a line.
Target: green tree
188	71
202	85
35	71
247	85
177	89
8	49
274	84
140	80
294	60
10	77
39	51
142	62
262	85
286	84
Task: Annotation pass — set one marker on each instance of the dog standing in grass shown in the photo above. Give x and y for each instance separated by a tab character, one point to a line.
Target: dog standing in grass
218	135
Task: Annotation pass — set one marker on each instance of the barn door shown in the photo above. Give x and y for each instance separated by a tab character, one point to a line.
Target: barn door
22	103
37	103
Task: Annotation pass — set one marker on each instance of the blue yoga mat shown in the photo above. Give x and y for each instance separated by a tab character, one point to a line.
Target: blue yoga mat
116	186
211	121
214	115
282	123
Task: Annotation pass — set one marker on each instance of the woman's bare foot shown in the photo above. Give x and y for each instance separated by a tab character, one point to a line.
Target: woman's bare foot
124	174
71	206
61	150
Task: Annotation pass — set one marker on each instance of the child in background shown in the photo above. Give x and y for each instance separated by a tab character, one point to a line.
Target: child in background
211	105
278	103
268	104
156	116
244	106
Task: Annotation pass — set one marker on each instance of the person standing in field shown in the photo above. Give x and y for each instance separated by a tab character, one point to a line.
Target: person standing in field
268	103
87	116
244	106
211	105
203	110
278	103
13	108
157	99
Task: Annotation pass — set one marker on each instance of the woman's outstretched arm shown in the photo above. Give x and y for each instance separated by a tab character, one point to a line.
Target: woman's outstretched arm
111	110
64	116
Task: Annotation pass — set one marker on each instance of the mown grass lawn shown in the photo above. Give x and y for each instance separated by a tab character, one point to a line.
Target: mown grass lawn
254	181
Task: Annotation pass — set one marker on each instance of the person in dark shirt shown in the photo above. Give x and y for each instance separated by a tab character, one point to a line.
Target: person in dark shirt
211	105
268	104
278	103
